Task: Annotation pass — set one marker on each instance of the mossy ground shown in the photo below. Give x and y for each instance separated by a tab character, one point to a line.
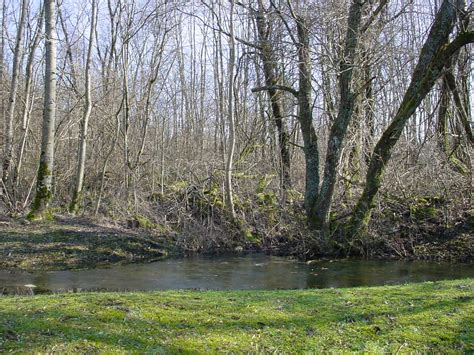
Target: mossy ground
72	243
428	317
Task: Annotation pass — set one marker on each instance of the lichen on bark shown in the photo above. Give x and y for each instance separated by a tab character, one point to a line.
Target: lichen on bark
43	194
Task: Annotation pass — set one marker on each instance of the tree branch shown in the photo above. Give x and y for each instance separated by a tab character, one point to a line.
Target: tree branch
296	145
220	29
276	87
456	44
373	16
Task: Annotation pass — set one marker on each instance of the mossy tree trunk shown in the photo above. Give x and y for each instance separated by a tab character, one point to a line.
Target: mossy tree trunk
45	171
305	116
435	54
343	118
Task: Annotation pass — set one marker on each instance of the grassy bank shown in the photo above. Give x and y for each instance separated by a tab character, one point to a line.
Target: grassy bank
81	242
75	243
435	316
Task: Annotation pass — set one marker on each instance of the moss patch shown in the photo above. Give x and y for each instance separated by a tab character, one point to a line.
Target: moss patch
429	317
43	195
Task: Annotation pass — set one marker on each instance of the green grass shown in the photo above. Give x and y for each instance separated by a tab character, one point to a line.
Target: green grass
427	317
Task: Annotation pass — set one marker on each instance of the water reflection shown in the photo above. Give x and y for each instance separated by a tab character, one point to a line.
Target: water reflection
246	272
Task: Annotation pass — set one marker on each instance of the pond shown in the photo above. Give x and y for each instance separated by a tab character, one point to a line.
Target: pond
250	272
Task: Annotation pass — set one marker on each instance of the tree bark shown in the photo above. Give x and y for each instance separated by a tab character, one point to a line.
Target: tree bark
344	116
81	164
8	154
272	79
305	115
44	181
434	55
230	114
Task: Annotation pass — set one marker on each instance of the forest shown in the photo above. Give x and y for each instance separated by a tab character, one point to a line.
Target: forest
269	144
309	127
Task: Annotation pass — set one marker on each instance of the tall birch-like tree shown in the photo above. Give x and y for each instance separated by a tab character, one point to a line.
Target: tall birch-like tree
9	124
230	115
28	96
44	180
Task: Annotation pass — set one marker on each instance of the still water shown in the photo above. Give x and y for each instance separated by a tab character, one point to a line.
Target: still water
251	272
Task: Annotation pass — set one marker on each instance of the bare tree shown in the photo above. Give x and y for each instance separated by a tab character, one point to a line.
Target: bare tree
271	80
338	131
28	93
44	184
230	116
435	54
8	153
76	197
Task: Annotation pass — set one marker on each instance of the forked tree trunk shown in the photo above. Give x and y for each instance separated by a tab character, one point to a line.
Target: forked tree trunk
435	54
338	131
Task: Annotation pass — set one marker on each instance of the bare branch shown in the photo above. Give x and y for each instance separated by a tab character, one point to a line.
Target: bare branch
374	15
276	87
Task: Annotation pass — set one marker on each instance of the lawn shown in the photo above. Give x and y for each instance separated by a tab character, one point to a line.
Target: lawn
433	316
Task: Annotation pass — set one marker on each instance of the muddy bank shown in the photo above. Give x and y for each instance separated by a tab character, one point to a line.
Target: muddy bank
75	243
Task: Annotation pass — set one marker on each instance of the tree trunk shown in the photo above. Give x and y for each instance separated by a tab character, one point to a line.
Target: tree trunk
77	194
44	181
445	113
107	158
8	154
28	99
344	116
272	79
368	103
305	115
462	110
434	55
230	114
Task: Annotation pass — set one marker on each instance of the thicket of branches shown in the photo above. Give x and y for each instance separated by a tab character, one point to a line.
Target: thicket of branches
204	114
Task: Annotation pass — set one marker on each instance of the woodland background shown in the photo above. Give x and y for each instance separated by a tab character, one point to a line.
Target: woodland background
211	119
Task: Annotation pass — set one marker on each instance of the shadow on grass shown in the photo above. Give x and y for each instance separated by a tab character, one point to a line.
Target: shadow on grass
65	248
240	321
